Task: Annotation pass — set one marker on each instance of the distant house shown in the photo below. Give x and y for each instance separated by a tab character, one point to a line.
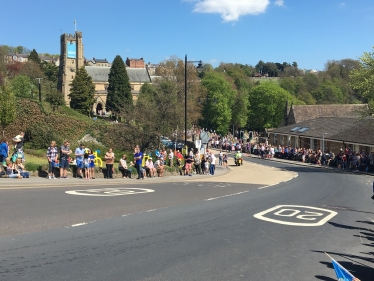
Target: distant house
98	62
135	63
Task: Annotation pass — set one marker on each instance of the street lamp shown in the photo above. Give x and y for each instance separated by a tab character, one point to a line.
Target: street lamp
323	142
40	89
199	67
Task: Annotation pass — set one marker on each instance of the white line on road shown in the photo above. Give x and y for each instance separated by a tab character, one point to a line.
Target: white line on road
78	224
226	196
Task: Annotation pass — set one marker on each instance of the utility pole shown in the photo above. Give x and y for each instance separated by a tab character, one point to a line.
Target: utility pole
40	89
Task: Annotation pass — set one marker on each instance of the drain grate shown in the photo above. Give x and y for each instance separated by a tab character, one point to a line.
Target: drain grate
338	208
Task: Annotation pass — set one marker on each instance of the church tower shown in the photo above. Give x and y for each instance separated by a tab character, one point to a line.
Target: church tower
71	59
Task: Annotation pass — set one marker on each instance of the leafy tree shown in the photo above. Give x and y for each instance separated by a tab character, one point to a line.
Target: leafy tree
7	106
32	70
3	53
82	92
362	79
328	93
119	90
55	98
267	105
50	71
34	57
217	109
21	86
240	109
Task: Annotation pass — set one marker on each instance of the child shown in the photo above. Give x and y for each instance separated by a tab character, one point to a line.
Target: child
86	163
91	158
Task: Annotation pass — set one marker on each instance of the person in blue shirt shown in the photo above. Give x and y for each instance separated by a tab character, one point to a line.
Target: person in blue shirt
3	151
79	154
138	157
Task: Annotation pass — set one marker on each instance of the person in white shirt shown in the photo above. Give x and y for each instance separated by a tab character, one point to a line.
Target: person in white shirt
212	166
171	157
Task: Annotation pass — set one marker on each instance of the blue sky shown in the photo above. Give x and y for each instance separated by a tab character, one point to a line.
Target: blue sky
214	31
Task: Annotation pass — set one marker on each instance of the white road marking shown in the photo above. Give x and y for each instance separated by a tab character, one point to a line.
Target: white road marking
226	196
109	191
314	218
78	224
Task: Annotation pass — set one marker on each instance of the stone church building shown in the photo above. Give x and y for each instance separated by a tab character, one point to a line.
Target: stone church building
72	58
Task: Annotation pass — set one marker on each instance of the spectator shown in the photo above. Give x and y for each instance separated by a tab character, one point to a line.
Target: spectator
79	157
159	166
171	157
64	159
109	161
197	163
122	166
150	169
188	166
138	156
4	152
52	155
18	148
91	158
212	165
10	170
86	163
225	161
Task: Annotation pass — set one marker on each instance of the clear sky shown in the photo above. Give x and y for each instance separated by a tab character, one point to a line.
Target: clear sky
214	31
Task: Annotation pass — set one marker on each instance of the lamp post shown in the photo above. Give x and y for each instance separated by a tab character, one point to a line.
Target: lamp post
200	65
323	142
40	89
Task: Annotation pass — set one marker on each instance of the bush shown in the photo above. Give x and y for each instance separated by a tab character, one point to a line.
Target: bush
32	167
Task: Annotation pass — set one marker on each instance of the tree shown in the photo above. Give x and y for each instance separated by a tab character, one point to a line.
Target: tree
7	106
328	93
53	96
50	71
362	79
119	98
21	86
217	109
267	105
34	57
240	109
82	92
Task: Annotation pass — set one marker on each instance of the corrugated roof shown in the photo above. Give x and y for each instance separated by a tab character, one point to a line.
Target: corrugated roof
100	74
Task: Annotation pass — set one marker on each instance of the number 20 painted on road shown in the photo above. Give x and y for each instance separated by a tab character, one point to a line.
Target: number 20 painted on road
310	216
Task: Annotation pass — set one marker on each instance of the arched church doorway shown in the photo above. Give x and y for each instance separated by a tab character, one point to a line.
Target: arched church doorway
99	109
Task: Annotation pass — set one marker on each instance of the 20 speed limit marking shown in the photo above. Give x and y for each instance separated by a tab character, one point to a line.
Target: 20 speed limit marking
109	191
296	215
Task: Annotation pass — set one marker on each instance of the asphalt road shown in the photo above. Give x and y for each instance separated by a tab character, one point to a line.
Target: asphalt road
191	230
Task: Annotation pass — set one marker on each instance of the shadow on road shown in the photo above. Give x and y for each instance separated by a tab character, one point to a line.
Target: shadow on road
361	266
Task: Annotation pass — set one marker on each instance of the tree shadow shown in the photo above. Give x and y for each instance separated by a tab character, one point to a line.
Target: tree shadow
324	278
367	222
348	226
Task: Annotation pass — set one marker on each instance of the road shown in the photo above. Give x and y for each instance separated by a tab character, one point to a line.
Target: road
258	222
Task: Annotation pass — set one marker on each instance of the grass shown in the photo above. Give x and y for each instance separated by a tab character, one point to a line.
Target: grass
36	160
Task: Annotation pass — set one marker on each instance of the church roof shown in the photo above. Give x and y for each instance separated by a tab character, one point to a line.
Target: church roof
100	74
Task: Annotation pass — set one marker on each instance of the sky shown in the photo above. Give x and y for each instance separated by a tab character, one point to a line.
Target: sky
310	33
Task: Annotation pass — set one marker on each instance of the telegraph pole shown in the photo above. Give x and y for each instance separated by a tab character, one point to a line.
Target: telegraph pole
40	89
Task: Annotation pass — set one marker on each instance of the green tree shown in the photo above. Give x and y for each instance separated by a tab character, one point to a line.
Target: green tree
328	93
240	109
362	78
82	92
267	105
50	71
119	97
217	109
21	86
34	57
55	98
7	106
